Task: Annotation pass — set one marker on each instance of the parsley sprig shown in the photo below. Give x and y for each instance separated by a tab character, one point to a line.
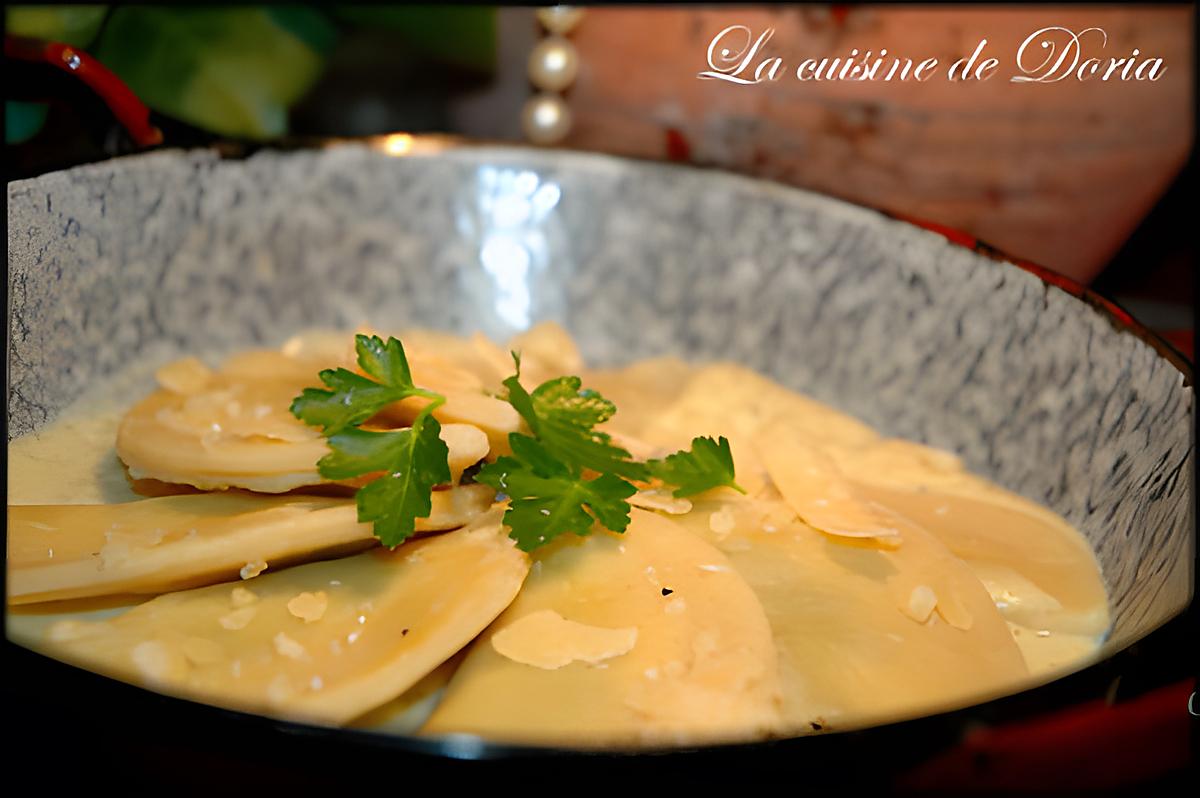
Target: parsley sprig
563	416
548	496
353	398
706	465
565	477
544	478
410	461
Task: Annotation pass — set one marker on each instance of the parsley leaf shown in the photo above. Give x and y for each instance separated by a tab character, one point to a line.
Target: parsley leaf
708	464
562	416
414	459
354	398
548	498
385	362
544	478
565	397
411	461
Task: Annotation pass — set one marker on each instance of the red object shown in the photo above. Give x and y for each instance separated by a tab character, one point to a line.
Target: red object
129	111
1089	746
1183	340
957	236
678	148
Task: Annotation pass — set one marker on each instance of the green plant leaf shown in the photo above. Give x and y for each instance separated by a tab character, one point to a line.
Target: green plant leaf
353	398
706	465
415	460
23	120
547	500
232	71
74	25
464	36
409	462
562	414
307	24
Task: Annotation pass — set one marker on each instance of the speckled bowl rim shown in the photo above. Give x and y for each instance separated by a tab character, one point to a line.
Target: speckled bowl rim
469	747
424	144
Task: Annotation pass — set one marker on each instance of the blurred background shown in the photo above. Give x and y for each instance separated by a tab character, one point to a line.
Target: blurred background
1093	180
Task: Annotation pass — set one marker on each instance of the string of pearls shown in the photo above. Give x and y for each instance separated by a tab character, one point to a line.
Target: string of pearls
552	68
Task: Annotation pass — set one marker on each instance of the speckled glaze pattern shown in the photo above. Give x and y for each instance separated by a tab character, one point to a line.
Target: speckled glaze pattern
147	257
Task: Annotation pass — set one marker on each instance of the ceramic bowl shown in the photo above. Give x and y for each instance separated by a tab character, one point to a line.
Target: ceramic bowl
1044	389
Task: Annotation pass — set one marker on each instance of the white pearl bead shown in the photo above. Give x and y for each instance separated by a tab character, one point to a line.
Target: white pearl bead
553	64
559	19
546	119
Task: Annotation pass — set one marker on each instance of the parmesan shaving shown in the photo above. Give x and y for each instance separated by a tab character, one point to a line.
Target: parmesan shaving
185	376
241	597
921	603
721	522
238	618
660	500
309	607
287	647
158	663
544	639
252	569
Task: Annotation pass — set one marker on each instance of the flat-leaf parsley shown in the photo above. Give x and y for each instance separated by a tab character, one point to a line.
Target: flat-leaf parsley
410	461
566	477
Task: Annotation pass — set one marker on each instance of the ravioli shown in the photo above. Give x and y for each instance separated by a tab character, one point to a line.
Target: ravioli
390	618
815	488
842	617
155	545
730	400
861	579
701	667
237	432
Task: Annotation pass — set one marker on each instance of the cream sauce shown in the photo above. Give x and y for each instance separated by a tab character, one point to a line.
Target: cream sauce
892	581
1041	573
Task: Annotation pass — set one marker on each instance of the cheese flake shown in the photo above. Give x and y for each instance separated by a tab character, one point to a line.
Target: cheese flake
921	603
252	569
544	639
287	647
309	607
